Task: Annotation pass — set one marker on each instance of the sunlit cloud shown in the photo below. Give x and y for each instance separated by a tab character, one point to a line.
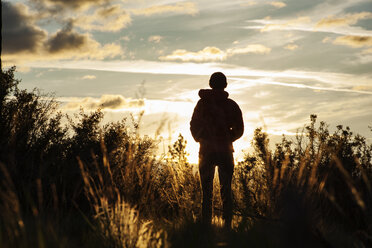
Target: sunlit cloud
69	4
327	40
109	19
345	20
176	68
252	48
88	77
125	38
214	53
106	102
361	58
249	3
207	54
363	88
294	85
354	41
304	24
261	94
291	47
367	51
188	8
285	25
155	38
278	4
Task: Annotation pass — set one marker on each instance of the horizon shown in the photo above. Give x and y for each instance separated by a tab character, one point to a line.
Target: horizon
284	60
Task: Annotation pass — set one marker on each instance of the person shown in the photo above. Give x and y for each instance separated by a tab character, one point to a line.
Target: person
216	123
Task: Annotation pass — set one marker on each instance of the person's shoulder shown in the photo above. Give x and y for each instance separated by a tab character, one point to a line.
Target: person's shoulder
200	103
232	102
233	106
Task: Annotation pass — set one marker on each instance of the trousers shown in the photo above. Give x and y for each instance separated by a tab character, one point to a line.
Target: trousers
225	163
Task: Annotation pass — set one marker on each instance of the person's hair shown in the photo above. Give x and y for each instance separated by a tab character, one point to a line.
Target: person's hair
218	81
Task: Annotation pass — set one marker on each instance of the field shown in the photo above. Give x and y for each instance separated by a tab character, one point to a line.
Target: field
85	184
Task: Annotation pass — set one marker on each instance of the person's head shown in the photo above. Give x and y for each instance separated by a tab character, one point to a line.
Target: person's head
218	81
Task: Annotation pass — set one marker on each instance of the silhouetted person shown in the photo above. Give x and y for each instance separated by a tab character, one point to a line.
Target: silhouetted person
216	123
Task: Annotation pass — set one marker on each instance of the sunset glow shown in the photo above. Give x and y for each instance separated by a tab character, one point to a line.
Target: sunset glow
284	60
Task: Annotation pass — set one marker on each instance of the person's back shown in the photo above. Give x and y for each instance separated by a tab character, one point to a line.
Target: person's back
216	123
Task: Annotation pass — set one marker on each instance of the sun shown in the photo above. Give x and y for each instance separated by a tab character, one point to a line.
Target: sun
192	147
241	146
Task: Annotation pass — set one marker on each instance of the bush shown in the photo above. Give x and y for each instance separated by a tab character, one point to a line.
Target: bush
317	185
88	184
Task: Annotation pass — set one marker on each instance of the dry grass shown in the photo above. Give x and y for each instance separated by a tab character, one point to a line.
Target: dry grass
119	223
313	193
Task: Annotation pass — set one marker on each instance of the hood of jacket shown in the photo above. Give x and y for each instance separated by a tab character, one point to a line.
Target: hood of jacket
210	94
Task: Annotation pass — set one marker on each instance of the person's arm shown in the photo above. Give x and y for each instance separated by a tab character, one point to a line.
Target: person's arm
196	124
237	129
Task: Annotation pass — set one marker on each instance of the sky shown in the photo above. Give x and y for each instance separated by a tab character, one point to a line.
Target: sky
284	60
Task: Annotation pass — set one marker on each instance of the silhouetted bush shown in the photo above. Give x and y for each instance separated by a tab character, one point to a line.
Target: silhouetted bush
317	186
84	183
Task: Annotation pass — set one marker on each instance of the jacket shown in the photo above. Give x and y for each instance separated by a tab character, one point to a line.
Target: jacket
216	122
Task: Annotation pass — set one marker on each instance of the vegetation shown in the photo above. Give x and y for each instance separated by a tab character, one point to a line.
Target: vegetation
84	184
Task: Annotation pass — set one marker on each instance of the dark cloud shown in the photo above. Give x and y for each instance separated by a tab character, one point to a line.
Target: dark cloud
25	41
117	101
66	39
19	32
354	41
107	102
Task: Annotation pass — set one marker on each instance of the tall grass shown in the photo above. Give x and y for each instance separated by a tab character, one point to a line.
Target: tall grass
93	185
118	222
315	187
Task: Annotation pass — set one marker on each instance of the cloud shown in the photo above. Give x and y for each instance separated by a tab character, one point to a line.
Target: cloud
23	41
278	4
109	19
214	53
107	102
363	88
155	38
248	82
286	25
125	38
354	41
348	19
291	47
327	39
70	4
367	51
252	48
20	34
304	24
249	3
205	69
188	8
262	94
89	77
66	44
207	54
66	39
